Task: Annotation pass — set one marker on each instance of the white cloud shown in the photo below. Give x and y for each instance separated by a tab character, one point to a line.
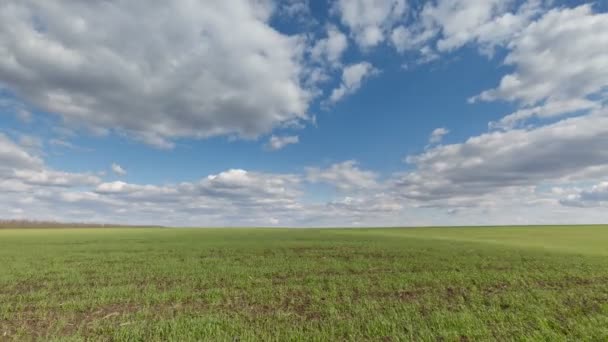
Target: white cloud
330	49
15	107
437	135
370	20
352	77
369	204
122	188
114	187
20	169
231	197
559	63
278	142
62	143
406	38
238	197
517	158
200	75
294	8
489	22
560	57
55	178
596	196
118	170
446	25
13	156
547	110
245	185
192	73
345	176
30	142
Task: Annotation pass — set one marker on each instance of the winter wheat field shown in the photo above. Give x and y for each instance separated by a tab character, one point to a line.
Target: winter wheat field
449	284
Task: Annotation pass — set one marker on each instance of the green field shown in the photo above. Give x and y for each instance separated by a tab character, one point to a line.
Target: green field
450	284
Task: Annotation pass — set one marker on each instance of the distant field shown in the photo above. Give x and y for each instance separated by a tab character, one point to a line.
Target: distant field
451	284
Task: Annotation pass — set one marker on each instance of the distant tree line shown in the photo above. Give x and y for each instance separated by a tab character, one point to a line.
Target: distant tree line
55	224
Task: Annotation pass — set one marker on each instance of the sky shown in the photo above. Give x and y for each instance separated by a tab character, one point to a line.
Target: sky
304	113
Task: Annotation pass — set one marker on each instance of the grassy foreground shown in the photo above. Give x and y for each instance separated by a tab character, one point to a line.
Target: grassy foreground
454	284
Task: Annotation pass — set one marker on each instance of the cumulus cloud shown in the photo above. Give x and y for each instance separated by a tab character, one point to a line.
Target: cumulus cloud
553	78
331	48
12	156
145	192
118	170
192	73
279	142
559	63
201	75
560	57
406	38
55	178
446	25
370	20
345	176
249	186
239	197
515	158
437	135
488	22
548	110
596	196
294	8
352	78
372	204
20	169
230	197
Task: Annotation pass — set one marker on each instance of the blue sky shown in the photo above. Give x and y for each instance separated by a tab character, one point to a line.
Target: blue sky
303	113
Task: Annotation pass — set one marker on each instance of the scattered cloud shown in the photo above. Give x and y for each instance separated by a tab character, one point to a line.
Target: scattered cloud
330	49
294	8
596	196
11	105
61	143
226	198
437	135
352	77
345	176
406	38
21	169
515	158
488	22
14	156
548	110
446	25
192	73
370	20
55	178
118	170
560	57
278	142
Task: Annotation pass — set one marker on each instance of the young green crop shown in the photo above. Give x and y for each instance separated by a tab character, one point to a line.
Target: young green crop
494	283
